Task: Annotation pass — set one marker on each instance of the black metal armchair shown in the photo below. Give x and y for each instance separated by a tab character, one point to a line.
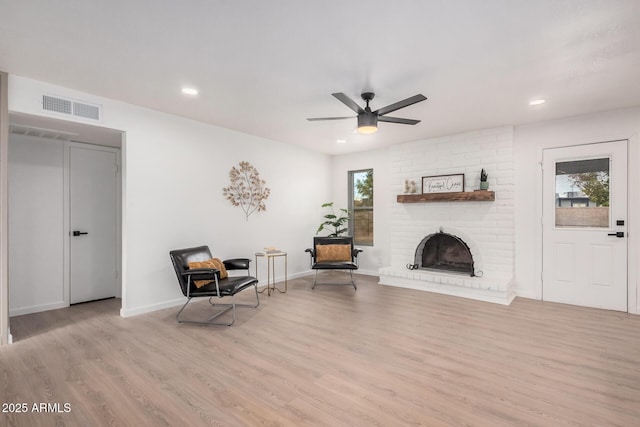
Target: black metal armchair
215	287
334	253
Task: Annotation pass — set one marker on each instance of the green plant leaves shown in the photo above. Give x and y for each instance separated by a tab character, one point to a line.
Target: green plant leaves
334	221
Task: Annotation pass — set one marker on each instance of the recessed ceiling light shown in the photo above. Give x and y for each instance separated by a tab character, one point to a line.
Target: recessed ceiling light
341	141
537	102
189	91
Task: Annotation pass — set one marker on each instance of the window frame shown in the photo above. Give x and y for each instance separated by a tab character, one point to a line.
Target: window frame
352	209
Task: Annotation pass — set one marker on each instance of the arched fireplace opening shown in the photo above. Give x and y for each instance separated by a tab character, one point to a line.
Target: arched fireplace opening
444	252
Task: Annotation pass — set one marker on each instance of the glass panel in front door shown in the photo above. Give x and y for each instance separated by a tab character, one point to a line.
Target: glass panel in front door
582	193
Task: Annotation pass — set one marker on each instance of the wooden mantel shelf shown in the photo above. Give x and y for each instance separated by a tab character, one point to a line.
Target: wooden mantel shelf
466	196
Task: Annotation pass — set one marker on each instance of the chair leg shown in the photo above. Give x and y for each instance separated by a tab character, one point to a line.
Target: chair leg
209	321
255	286
183	307
226	307
257	299
353	283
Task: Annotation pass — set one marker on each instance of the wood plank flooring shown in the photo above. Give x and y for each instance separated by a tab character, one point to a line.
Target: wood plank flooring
380	356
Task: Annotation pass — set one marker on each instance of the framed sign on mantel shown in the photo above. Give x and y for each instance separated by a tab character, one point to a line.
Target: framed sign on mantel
443	184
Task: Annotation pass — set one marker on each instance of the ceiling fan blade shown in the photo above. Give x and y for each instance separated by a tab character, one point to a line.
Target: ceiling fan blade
348	102
317	119
400	104
398	120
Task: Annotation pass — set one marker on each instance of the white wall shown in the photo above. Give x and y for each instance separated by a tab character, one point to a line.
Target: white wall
168	162
35	224
174	170
387	185
378	255
399	228
488	225
530	140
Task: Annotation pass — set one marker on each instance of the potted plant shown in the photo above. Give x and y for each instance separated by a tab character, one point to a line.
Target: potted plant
331	220
484	184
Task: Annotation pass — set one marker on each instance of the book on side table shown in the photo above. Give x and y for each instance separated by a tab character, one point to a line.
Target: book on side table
269	251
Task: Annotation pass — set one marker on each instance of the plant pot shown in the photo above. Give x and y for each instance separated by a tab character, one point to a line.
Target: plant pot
484	185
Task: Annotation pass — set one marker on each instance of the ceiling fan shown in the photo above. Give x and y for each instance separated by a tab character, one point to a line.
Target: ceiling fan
367	119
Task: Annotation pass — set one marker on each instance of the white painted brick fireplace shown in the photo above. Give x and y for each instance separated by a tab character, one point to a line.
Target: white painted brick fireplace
488	228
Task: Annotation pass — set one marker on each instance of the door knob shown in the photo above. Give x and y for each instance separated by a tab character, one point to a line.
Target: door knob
617	234
76	233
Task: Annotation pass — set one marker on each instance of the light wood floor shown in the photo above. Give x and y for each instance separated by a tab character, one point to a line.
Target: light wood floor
330	356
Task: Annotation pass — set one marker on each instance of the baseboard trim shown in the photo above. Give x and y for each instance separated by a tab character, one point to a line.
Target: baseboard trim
262	283
367	272
363	272
526	294
129	312
36	308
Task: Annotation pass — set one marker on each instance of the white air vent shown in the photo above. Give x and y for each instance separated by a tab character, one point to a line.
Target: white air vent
57	105
86	110
70	107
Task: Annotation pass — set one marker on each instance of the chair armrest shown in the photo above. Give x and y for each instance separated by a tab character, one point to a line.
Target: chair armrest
356	251
312	257
194	274
237	263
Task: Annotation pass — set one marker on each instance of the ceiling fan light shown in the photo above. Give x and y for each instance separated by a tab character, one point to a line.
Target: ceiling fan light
367	123
367	129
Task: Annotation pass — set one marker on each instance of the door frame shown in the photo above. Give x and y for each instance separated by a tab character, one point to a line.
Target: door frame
633	217
5	333
578	288
67	215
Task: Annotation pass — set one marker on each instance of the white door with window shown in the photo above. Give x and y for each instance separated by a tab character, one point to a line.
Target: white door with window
585	225
93	223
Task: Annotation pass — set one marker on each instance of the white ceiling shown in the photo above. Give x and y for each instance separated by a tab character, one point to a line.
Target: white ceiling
263	67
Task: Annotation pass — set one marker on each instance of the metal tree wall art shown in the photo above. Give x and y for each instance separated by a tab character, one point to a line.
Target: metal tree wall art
247	190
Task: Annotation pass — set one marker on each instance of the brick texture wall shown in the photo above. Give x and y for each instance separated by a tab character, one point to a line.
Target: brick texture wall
487	227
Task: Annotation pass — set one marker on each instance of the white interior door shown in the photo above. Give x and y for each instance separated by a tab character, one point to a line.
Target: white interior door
93	224
585	225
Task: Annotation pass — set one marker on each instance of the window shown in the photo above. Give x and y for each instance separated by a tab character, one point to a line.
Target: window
582	193
361	206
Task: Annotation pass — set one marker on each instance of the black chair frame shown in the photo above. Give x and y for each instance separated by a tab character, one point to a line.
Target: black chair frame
333	265
217	288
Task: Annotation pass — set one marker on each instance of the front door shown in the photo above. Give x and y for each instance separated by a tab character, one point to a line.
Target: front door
93	213
584	225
